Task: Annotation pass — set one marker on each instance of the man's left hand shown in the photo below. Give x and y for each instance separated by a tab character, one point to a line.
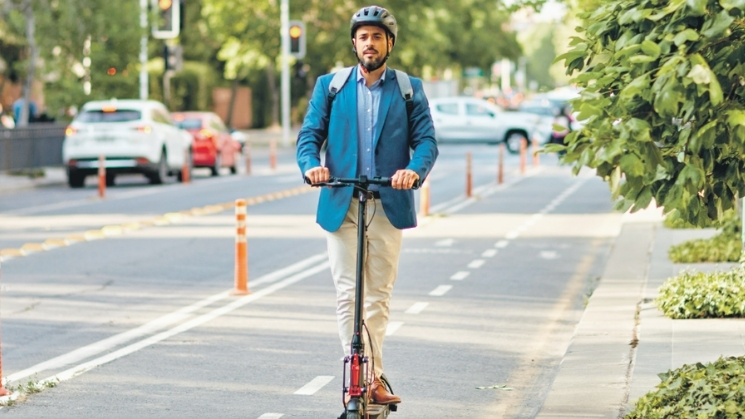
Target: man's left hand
404	179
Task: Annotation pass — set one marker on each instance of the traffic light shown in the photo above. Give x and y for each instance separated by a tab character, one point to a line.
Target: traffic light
167	19
297	39
173	56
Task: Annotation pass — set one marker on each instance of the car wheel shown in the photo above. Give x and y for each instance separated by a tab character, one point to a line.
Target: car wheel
75	179
218	163
162	171
514	140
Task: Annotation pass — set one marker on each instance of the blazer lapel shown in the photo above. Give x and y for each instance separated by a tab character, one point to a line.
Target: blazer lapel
389	91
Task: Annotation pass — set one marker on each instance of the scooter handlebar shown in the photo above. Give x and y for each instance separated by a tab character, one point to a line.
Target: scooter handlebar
362	181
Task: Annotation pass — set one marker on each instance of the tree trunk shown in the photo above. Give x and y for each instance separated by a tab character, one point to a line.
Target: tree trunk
231	103
28	12
274	93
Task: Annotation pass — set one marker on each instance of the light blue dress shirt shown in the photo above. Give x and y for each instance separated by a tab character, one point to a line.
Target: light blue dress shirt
368	102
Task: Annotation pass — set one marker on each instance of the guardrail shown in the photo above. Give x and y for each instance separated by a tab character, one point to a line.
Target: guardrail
34	146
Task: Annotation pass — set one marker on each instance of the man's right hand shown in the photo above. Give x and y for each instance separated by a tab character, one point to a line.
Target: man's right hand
317	175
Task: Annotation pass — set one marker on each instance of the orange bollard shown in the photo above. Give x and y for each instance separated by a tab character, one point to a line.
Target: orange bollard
247	152
273	154
186	168
3	391
424	198
523	154
469	176
500	168
241	250
101	176
536	159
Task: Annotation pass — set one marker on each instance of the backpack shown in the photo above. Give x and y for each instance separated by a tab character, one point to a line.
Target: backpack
404	84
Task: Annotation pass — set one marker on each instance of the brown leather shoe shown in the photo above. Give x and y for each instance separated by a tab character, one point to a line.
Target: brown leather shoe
380	394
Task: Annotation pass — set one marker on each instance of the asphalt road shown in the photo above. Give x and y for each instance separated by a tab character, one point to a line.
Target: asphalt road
124	302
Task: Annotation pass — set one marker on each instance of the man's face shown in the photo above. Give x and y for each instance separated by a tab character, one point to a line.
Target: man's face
372	45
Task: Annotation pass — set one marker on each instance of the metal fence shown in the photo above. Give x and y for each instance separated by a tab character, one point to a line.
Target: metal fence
38	145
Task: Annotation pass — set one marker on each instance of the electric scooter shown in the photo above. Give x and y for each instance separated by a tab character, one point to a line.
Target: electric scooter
355	382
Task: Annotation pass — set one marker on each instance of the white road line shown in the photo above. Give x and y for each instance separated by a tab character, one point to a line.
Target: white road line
183	327
154	325
549	254
444	242
441	290
392	327
475	264
459	276
489	253
417	308
314	385
271	415
501	244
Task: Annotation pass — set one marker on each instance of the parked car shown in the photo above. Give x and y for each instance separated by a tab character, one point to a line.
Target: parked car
133	136
472	120
213	145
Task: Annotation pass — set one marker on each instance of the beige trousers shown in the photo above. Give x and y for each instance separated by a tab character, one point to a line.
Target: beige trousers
380	271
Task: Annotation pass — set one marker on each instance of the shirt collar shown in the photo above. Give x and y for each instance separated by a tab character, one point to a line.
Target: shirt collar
361	77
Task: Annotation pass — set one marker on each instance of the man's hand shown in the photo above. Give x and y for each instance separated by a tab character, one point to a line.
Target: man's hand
404	179
317	175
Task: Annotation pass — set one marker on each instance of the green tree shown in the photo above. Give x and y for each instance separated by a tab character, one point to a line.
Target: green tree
663	103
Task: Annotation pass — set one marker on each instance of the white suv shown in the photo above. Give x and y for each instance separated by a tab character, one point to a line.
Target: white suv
473	120
134	136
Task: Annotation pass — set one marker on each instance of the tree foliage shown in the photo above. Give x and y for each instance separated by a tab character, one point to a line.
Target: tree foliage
663	102
240	39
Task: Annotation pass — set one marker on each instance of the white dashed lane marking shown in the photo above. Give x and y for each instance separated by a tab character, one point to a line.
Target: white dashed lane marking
459	276
476	263
314	385
417	308
441	290
489	253
271	415
392	327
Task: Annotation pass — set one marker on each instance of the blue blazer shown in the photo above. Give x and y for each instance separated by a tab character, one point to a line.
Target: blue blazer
395	147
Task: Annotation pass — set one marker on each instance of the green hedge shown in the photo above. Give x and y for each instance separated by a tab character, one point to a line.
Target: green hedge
713	390
703	295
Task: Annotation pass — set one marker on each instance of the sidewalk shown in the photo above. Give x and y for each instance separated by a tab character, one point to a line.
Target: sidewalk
616	354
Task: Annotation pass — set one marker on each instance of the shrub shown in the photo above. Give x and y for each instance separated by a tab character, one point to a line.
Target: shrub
729	219
713	390
723	247
702	295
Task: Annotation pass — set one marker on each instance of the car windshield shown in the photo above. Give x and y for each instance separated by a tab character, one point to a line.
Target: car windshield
189	123
101	115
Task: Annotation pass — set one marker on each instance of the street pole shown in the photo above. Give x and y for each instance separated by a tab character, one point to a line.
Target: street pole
285	27
143	51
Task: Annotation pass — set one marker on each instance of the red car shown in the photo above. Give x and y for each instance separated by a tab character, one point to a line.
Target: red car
213	145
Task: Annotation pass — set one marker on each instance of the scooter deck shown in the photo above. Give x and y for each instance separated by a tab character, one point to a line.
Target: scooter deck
378	411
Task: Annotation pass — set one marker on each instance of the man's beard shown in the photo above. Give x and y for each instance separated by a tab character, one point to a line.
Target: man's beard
373	63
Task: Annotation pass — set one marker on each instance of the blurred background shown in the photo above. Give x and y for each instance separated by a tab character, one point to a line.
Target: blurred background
225	56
